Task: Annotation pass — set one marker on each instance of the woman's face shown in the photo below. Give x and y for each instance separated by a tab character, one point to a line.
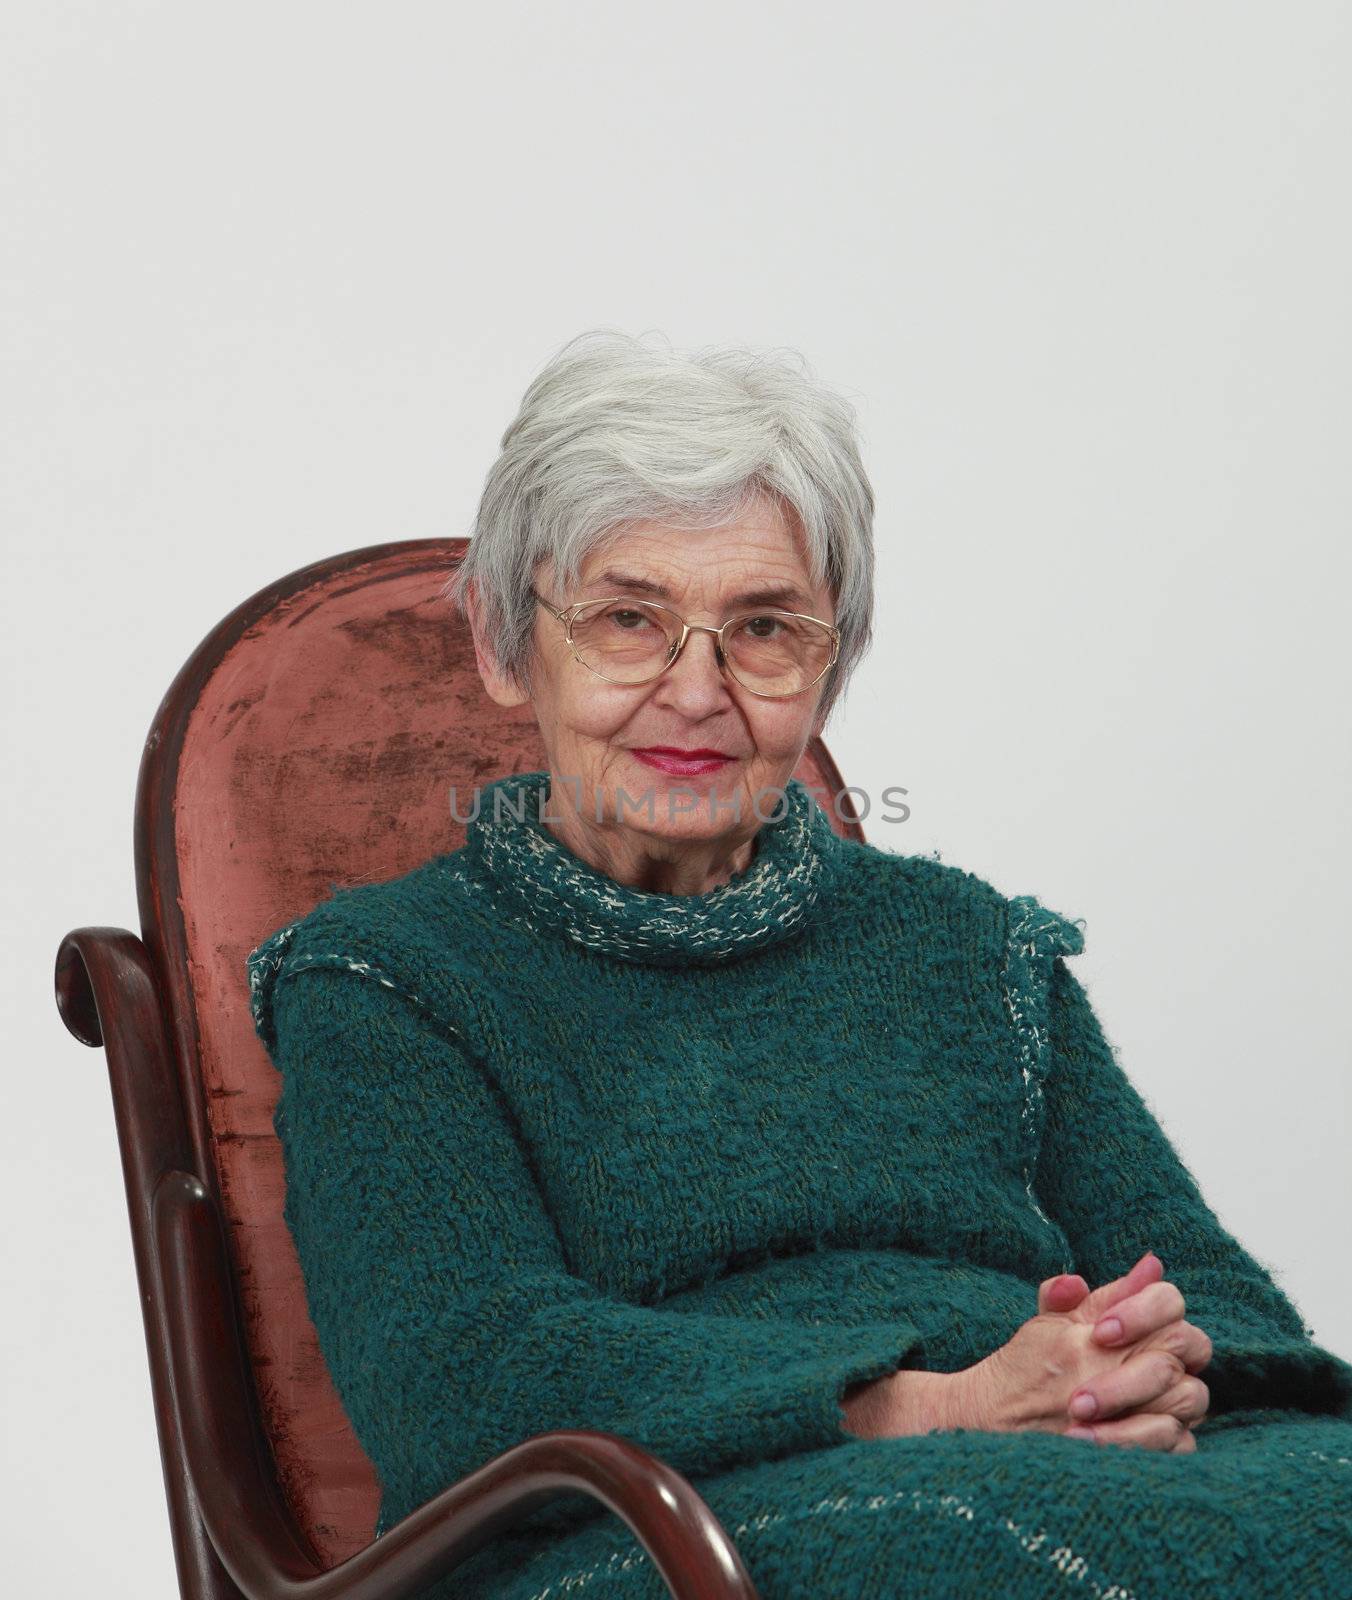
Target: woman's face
593	730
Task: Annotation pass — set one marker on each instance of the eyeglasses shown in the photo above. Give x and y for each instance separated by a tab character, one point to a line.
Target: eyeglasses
770	653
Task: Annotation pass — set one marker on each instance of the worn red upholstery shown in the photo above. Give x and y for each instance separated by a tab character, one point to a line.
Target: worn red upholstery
327	719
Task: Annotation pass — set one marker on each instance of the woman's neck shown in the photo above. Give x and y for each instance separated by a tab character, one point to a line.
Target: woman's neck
651	863
539	879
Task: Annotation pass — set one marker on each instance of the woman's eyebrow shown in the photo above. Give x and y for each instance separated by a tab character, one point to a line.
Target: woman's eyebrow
775	594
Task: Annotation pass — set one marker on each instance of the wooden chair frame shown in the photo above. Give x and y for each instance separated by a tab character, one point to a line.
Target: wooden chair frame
234	1534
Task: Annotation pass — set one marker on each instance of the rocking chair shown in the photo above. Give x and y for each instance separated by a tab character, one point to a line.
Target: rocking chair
309	741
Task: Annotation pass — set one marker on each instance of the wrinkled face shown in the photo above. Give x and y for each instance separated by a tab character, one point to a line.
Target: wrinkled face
609	736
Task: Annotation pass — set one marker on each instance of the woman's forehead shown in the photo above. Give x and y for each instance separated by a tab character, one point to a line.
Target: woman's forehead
756	561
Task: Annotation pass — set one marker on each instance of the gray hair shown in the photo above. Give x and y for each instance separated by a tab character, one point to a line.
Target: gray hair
612	432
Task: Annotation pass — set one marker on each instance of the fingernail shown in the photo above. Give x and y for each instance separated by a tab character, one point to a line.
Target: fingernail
1083	1406
1109	1329
1079	1433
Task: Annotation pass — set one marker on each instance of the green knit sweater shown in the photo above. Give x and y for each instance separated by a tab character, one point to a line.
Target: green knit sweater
560	1153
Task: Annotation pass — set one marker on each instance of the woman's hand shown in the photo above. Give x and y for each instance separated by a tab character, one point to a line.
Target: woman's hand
1194	1346
1141	1377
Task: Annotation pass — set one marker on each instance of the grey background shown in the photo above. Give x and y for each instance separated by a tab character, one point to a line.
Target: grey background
274	279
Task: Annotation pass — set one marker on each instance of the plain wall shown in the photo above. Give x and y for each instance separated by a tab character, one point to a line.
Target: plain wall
274	280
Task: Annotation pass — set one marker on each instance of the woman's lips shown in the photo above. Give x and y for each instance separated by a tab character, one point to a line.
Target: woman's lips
681	766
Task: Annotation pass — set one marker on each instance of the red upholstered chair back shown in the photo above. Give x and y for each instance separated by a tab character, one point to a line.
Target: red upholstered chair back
311	740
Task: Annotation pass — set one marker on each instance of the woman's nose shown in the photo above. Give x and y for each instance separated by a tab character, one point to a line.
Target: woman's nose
695	680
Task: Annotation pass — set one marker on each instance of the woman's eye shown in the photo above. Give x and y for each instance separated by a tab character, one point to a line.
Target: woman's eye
762	627
627	618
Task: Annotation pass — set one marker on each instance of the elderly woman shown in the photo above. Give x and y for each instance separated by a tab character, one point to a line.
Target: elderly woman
660	1108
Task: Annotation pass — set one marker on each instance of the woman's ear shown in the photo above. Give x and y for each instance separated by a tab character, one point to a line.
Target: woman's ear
499	685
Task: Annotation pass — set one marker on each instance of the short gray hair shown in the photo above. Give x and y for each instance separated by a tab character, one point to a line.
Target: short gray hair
612	432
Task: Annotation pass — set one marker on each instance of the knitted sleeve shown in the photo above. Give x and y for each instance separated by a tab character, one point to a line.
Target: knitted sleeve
437	1285
1110	1176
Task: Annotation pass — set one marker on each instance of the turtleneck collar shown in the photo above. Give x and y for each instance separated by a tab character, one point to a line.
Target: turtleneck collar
537	880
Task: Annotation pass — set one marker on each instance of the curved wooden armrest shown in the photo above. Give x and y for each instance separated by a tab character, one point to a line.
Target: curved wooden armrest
207	1410
687	1544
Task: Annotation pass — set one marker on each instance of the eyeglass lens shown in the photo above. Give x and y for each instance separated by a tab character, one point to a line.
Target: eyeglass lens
771	652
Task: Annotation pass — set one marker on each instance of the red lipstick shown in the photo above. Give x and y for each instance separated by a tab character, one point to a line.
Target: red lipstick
681	763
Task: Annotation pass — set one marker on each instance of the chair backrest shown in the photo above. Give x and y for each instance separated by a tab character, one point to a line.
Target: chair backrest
311	740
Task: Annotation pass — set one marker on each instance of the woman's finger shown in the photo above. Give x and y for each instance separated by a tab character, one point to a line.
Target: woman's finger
1139	1314
1143	1430
1188	1400
1144	1376
1061	1293
1185	1340
1149	1269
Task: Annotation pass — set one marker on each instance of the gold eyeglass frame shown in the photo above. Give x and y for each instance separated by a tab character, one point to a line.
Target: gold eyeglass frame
569	615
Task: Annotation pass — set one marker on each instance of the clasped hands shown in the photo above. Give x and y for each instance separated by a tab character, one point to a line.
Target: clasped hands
1117	1365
